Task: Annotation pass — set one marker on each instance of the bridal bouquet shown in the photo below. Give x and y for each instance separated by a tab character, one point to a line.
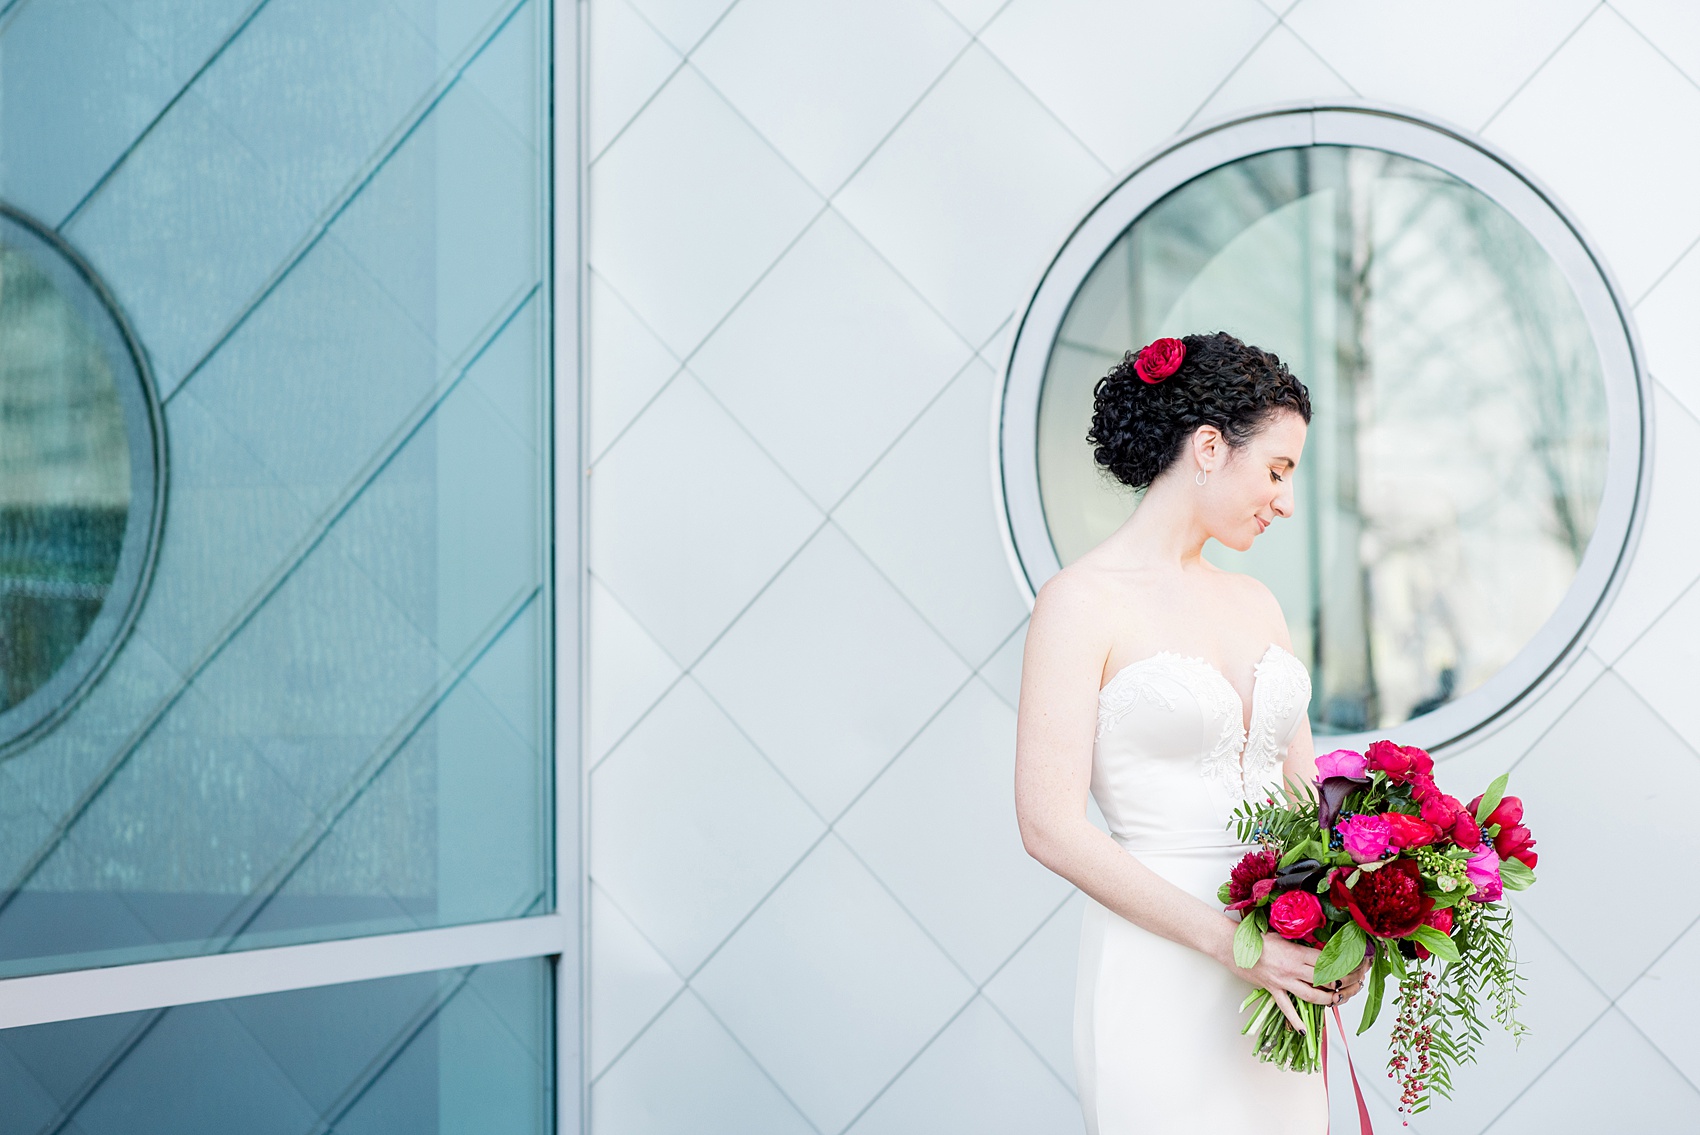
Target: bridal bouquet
1382	861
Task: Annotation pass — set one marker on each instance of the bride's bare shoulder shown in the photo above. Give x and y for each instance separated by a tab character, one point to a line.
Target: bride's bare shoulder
1072	604
1080	587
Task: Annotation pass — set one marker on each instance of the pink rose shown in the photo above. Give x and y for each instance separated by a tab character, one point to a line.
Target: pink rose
1483	870
1365	837
1294	914
1341	762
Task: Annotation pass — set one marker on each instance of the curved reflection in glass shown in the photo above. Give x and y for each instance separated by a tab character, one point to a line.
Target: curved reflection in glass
1456	461
79	463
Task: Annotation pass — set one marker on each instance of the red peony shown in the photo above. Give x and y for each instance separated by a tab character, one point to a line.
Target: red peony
1465	831
1515	842
1401	763
1254	866
1294	914
1158	361
1408	831
1257	867
1388	902
1507	813
1422	787
1441	810
1441	920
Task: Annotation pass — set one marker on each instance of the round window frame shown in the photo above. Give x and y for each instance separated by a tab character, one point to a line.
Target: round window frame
29	720
1546	655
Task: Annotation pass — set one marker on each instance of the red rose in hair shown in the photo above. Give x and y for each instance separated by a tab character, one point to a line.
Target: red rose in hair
1388	902
1408	831
1158	361
1441	920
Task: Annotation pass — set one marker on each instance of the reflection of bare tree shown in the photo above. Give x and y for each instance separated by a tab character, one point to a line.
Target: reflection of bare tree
1345	652
1554	384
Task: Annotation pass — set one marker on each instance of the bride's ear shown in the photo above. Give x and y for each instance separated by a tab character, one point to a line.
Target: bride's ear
1209	447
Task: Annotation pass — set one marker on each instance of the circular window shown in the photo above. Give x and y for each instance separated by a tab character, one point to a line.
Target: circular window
82	463
1475	456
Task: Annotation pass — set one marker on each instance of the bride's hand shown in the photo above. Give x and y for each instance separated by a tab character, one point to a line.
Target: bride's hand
1354	981
1286	970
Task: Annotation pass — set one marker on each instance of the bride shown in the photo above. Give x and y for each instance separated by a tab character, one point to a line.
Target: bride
1141	661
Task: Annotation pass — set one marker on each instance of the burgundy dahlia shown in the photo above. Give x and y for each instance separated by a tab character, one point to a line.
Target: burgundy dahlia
1388	902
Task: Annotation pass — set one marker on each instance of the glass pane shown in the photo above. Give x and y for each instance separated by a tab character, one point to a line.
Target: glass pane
460	1052
1456	457
331	715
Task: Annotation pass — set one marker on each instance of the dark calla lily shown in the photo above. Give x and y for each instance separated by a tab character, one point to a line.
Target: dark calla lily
1303	875
1332	796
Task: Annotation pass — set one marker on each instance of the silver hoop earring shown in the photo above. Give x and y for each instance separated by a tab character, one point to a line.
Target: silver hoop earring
1198	477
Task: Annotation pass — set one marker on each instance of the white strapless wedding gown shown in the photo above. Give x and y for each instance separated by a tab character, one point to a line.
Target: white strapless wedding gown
1157	1042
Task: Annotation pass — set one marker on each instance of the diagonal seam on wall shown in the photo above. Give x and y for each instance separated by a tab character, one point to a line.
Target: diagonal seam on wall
269	588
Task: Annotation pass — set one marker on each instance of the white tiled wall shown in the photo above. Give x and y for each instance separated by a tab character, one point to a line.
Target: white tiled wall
811	222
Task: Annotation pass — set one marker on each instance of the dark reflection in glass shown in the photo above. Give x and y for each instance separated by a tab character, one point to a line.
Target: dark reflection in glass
458	1052
1456	457
64	467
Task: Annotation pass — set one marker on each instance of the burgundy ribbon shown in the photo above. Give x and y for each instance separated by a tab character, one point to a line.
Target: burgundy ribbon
1363	1109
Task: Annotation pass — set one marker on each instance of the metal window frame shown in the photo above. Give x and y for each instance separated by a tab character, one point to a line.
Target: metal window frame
559	936
1556	645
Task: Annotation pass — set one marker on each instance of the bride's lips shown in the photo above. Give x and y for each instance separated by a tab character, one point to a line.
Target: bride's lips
1262	525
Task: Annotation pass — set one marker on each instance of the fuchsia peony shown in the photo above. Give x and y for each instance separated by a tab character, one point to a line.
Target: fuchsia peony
1365	837
1483	871
1341	762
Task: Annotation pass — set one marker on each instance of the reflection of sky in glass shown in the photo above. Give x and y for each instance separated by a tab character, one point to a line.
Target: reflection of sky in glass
1456	457
64	476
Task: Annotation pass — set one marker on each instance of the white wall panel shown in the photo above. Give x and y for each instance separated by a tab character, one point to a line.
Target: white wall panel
1600	124
1457	60
832	324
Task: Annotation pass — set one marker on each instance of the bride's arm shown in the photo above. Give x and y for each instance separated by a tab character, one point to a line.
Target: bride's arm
1062	666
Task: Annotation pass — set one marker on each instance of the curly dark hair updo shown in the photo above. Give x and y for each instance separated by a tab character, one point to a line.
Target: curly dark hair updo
1140	428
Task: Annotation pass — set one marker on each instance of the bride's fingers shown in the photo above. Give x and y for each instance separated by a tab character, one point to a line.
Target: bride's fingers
1285	1004
1311	993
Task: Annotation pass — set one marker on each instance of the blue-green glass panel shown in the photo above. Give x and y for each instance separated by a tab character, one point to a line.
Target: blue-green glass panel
330	718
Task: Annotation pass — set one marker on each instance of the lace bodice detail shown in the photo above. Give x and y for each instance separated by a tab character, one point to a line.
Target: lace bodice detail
1237	760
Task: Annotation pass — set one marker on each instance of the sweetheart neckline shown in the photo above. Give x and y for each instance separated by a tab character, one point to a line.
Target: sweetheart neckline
1240	717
